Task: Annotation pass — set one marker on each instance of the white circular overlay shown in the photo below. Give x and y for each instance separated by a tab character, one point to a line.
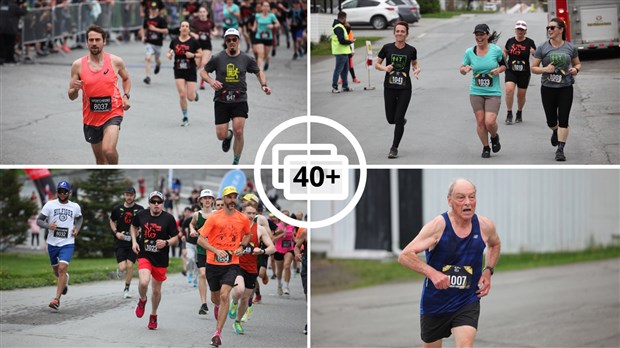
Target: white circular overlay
258	166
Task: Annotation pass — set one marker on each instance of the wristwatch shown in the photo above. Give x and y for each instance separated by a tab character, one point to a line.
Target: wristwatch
492	269
127	95
168	243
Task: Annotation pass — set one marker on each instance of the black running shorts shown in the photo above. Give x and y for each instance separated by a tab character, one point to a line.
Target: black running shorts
249	279
224	112
201	260
279	256
437	327
221	275
94	135
188	75
125	253
521	79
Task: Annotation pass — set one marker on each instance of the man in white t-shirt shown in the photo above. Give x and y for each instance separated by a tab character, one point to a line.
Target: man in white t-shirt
62	219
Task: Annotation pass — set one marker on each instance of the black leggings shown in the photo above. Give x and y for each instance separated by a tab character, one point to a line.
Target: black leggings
557	103
396	104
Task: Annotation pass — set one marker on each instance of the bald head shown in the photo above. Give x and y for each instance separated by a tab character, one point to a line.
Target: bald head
460	185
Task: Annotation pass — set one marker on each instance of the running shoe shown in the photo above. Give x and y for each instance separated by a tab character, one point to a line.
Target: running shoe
486	152
559	155
266	66
273	276
496	146
202	86
189	278
195	283
340	81
118	273
216	340
393	153
226	142
216	311
294	55
232	313
247	314
519	118
335	90
306	329
126	294
238	328
197	97
157	68
554	138
140	308
64	291
286	291
509	117
347	89
152	322
204	309
55	303
147	80
185	122
280	292
257	299
265	279
356	80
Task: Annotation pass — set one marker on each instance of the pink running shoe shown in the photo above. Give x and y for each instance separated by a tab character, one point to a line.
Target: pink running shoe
216	340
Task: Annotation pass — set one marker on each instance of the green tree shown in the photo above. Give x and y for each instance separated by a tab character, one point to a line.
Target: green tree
100	192
429	6
14	210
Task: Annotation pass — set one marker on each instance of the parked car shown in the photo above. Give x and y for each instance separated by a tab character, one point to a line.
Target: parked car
378	13
408	10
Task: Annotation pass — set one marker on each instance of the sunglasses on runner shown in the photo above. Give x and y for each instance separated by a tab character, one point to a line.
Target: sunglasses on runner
155	201
232	39
62	192
552	27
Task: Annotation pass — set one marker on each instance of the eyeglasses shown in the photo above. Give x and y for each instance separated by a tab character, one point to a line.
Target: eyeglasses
156	202
552	27
232	39
62	192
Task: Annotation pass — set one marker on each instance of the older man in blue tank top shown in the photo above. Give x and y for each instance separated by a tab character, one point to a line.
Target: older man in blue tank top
454	244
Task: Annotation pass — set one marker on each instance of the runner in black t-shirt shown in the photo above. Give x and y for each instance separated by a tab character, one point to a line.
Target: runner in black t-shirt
120	223
186	50
401	57
157	230
154	27
517	53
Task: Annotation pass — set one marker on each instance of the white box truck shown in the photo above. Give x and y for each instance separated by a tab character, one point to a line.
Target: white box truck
590	24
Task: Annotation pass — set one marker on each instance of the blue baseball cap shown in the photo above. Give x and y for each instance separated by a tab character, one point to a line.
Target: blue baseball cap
64	185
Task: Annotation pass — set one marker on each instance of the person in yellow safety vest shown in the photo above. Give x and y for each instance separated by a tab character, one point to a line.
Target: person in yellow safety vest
352	39
341	48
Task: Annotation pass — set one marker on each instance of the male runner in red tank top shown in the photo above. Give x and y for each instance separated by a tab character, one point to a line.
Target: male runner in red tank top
102	103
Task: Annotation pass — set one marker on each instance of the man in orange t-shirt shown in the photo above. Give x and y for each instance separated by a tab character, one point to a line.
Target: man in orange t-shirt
225	235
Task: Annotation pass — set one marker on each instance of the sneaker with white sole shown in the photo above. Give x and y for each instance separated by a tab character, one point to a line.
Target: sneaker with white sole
286	291
126	294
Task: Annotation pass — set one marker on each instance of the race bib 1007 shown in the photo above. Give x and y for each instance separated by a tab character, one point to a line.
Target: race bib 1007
460	276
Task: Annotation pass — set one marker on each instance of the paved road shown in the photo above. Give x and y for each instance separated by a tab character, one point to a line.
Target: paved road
96	315
441	126
566	306
40	125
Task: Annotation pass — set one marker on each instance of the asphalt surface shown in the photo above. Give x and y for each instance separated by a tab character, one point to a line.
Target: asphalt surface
441	128
565	306
40	125
96	315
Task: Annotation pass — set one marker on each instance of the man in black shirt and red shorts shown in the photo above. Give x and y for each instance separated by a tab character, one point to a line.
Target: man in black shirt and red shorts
120	223
157	230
